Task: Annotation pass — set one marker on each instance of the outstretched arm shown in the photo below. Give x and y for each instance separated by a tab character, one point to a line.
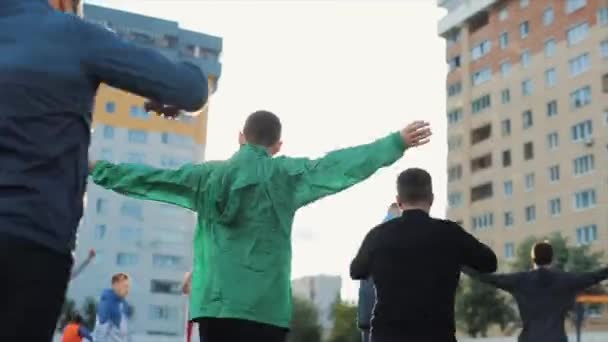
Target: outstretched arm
145	72
78	269
344	168
581	281
179	187
360	266
506	282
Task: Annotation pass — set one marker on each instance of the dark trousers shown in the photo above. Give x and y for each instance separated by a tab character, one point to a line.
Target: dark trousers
238	330
400	338
33	281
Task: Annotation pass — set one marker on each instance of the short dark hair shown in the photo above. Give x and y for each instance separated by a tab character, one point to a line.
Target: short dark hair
542	253
262	128
76	318
119	277
415	185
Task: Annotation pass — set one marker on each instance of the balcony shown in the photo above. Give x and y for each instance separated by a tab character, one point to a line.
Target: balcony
460	11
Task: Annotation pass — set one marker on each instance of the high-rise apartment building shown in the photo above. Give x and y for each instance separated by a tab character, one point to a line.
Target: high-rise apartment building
527	113
149	241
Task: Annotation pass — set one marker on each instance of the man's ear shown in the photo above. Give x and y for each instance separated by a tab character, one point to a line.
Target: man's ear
276	148
242	140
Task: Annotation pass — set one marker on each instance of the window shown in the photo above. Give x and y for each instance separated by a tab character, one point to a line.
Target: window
480	104
524	29
525	58
167	261
454	63
505	69
582	131
506	158
481	163
454	89
505	127
526	87
177	139
553	140
602	16
528	151
508	188
529	181
605	83
549	48
606	116
106	154
552	108
132	209
108	132
573	5
454	173
577	33
584	165
165	287
455	116
168	237
138	136
527	119
509	250
173	162
481	50
579	64
138	112
455	199
481	192
127	259
503	14
524	3
604	48
481	76
554	173
481	133
136	158
586	234
163	313
580	97
585	199
509	219
110	107
555	206
504	40
454	143
548	16
550	78
505	96
102	206
100	231
483	221
453	37
530	213
131	234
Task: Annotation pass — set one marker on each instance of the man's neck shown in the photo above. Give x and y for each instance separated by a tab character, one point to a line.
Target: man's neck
406	207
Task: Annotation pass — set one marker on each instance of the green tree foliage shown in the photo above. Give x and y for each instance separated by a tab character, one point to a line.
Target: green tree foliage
304	323
479	307
345	323
67	312
89	312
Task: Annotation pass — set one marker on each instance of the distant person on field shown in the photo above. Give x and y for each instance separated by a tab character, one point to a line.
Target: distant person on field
543	295
113	312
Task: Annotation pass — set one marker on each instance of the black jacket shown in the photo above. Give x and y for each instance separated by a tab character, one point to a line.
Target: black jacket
415	261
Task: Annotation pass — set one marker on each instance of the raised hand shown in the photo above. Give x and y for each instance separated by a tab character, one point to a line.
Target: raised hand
417	133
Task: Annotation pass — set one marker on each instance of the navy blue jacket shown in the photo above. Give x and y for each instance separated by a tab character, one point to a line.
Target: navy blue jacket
51	65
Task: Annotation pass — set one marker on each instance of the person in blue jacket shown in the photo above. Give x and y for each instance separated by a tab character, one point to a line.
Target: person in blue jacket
51	65
367	291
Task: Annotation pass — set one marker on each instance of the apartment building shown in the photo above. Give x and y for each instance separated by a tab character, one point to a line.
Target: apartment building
151	242
527	113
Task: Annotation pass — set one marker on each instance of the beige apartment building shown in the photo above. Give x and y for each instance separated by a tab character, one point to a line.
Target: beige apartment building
527	112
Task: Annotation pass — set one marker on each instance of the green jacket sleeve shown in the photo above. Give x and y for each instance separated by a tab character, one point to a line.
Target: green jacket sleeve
179	187
341	169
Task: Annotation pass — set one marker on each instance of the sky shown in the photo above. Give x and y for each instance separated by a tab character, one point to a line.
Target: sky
338	73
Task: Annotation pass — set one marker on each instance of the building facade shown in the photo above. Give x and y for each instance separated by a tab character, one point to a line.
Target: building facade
527	113
322	291
151	242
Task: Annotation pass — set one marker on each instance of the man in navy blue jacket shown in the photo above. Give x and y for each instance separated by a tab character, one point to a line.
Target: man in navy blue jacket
51	64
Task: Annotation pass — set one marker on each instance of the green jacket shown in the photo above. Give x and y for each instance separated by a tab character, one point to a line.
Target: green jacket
246	206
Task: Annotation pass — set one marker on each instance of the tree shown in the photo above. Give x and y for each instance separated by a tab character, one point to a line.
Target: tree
304	323
345	323
480	306
89	312
67	312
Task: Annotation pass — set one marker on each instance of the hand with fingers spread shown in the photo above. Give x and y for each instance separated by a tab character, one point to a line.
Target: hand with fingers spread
417	133
169	112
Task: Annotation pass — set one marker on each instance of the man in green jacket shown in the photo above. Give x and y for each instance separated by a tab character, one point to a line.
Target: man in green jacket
241	289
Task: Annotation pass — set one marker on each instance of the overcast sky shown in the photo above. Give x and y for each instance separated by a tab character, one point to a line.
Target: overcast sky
338	73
